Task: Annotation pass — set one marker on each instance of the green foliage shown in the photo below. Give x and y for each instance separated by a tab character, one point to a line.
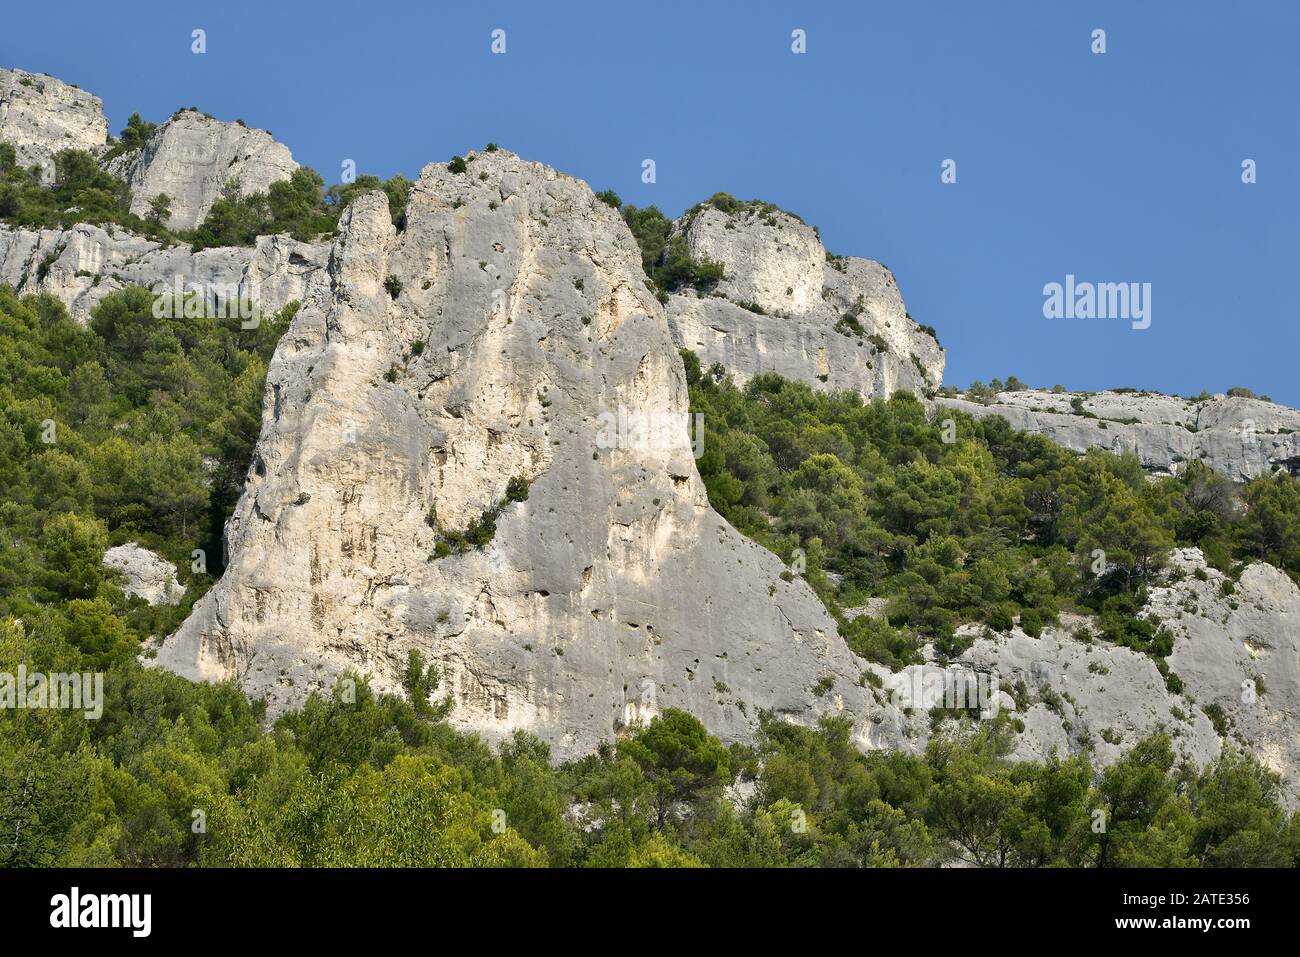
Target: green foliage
480	531
517	489
299	206
993	525
80	192
664	256
103	439
135	136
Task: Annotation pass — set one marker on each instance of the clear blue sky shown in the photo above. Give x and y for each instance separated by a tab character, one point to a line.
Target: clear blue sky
1116	167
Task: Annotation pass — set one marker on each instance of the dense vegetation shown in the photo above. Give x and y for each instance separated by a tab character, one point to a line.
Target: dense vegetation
665	257
130	428
300	206
954	519
77	191
176	774
141	428
81	191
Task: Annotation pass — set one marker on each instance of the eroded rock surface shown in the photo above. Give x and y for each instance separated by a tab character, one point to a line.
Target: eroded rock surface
192	157
41	116
784	307
1240	437
82	265
145	573
1237	649
612	592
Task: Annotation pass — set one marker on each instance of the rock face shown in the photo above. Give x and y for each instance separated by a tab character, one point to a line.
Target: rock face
83	264
192	157
1239	651
146	574
1242	438
784	307
520	342
41	116
1074	696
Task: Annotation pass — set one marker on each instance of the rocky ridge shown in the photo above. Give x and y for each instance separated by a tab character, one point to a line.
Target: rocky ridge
1240	437
494	339
612	592
786	306
41	115
193	157
82	265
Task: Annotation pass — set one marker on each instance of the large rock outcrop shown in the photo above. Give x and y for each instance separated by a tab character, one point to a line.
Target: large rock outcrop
784	306
1240	437
1237	650
145	573
506	332
192	157
40	116
82	265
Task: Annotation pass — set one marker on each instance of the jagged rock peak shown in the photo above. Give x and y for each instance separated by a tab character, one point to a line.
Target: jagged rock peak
785	305
507	333
192	157
41	116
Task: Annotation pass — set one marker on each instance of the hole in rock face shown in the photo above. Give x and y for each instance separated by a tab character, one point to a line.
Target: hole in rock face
1292	465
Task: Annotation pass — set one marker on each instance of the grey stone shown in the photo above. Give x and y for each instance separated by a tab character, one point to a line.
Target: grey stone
1242	438
783	302
613	592
1241	652
83	264
41	116
146	574
192	157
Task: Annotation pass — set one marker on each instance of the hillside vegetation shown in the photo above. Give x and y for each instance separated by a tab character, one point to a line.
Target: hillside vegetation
154	423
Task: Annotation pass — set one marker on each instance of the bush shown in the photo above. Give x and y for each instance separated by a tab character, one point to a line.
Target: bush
1031	623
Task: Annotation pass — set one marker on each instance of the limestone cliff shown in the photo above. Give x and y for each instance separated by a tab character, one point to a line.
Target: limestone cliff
784	306
505	340
1242	438
192	157
504	333
1236	652
41	116
82	265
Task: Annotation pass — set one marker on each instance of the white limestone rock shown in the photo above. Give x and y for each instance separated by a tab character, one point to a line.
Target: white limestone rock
1242	438
1239	650
613	592
41	116
783	307
1095	695
192	157
83	264
146	574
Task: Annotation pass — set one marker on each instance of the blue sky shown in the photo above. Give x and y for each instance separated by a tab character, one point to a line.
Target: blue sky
1120	167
